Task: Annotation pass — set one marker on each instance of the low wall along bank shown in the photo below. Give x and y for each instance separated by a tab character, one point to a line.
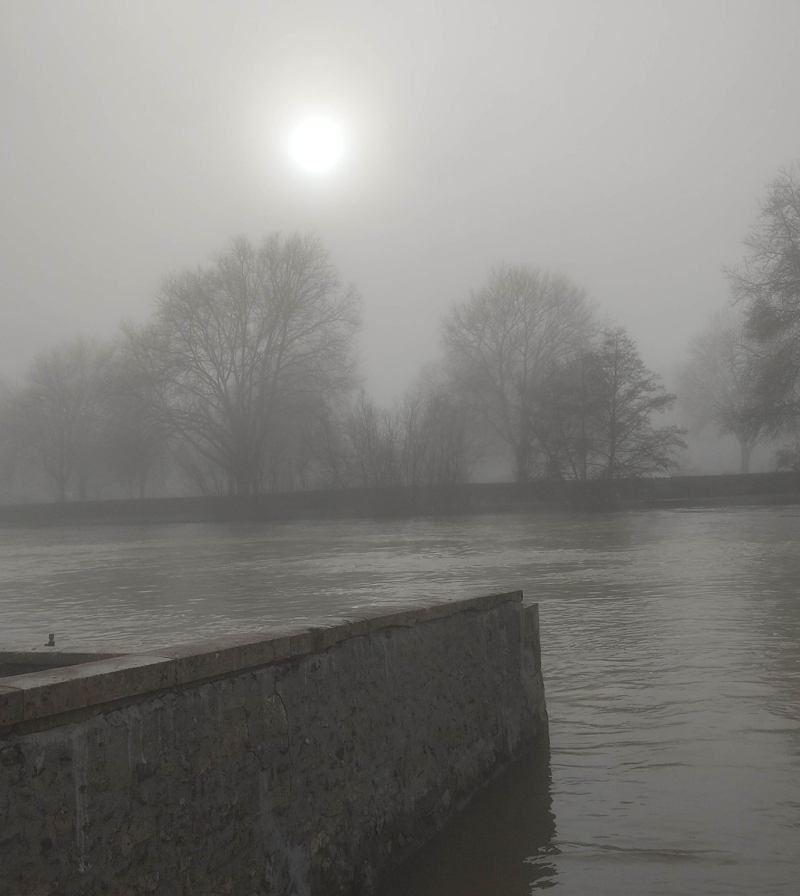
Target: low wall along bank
302	762
467	498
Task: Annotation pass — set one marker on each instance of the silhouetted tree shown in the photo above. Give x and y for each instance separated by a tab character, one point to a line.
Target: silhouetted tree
235	348
565	418
436	443
595	419
504	343
422	440
452	447
9	443
768	286
373	445
717	385
136	436
628	395
58	415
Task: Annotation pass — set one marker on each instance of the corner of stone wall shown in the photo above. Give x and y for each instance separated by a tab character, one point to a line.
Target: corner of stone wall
536	723
300	763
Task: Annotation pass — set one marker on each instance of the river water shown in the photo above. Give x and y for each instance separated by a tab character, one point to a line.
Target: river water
671	653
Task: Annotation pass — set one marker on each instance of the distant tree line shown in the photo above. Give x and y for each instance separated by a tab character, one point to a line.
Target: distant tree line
245	381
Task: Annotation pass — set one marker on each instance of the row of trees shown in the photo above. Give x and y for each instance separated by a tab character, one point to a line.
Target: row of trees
237	361
245	380
743	371
570	398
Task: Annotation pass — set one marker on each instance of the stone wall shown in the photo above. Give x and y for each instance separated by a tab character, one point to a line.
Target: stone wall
294	763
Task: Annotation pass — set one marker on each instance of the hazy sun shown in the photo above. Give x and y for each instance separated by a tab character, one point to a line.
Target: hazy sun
316	144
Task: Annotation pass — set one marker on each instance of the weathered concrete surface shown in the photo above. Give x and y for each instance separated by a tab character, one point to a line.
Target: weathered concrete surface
20	662
310	762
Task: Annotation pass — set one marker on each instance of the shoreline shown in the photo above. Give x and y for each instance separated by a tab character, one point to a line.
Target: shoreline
540	496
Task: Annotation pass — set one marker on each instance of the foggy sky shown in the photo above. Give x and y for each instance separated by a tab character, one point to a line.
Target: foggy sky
624	144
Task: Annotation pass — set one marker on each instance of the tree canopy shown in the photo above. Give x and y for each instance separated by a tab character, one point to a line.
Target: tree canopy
767	285
238	350
595	420
504	342
57	417
718	383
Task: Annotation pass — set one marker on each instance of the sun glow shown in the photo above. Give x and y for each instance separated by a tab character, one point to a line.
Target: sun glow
316	144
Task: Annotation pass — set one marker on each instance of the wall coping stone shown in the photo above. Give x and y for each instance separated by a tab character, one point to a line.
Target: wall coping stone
67	688
46	656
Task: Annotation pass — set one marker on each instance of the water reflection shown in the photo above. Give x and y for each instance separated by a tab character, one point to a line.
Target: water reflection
518	806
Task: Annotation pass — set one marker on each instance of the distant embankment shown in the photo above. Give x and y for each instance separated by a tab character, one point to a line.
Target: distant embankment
293	762
675	491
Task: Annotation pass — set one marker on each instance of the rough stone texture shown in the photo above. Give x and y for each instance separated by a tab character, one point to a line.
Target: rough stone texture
11	706
310	772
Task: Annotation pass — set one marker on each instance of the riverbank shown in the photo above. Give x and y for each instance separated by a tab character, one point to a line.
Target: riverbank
470	498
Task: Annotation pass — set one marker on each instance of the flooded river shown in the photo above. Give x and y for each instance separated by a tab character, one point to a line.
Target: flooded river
671	653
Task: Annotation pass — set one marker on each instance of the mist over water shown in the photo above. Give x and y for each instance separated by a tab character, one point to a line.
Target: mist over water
671	653
622	151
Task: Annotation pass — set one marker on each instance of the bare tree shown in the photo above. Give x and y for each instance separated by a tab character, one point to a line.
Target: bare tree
629	394
422	440
373	445
717	385
505	341
137	435
58	415
767	285
235	347
595	421
438	444
565	418
9	442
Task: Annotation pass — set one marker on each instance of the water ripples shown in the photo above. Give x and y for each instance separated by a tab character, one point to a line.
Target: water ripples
671	648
